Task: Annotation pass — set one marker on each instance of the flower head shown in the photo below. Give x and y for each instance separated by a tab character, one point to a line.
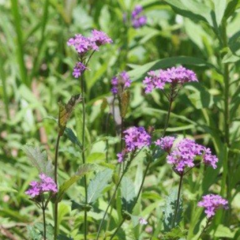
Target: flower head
46	184
211	203
185	152
80	43
142	221
78	69
174	75
136	138
138	20
165	143
120	82
99	38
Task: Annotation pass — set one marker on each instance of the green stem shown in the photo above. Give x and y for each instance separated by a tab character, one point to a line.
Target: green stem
143	180
83	154
20	51
5	95
119	226
171	99
226	89
178	199
44	223
55	179
111	199
205	228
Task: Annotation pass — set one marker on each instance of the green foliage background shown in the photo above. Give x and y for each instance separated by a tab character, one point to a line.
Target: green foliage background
36	73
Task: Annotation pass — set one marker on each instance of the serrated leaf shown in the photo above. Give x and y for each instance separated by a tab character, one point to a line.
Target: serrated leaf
128	194
39	160
85	168
98	184
169	211
72	137
65	111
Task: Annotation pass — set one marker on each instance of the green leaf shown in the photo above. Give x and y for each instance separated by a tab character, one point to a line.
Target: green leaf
128	194
72	137
39	160
98	184
223	232
7	189
171	202
64	237
220	6
33	234
201	98
85	168
192	9
231	7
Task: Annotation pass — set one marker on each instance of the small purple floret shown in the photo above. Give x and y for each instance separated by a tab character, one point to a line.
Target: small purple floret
165	143
122	81
211	203
99	38
174	75
136	138
185	152
78	69
46	184
137	19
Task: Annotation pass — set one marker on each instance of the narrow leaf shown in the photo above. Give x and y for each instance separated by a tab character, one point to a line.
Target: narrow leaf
85	168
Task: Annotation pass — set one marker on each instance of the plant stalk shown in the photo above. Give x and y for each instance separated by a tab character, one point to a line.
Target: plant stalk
83	155
178	199
44	223
119	226
55	179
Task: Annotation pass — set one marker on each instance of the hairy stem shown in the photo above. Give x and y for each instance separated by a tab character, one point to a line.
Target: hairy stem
83	155
171	99
143	180
55	179
119	226
44	223
178	199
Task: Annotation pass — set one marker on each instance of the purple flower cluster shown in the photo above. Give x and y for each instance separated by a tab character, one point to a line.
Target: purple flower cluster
165	143
138	20
174	75
84	44
78	69
121	82
211	203
185	152
136	138
46	184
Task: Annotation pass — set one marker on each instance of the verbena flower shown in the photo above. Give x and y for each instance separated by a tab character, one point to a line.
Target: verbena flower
211	203
136	138
185	152
46	184
174	75
78	69
99	38
84	44
81	44
165	143
120	82
142	221
138	20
